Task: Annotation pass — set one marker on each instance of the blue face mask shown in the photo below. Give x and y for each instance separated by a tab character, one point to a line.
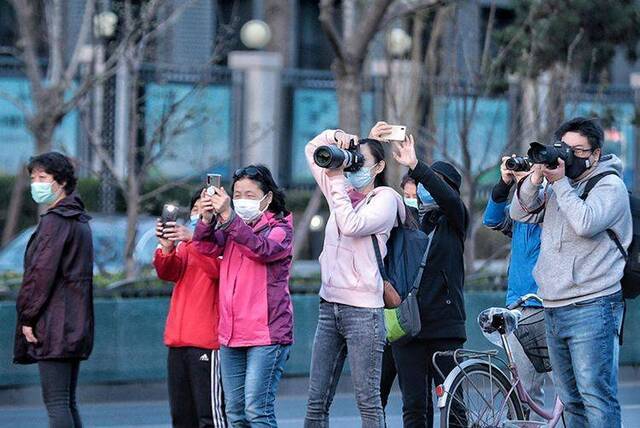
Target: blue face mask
425	196
411	202
42	193
361	178
193	221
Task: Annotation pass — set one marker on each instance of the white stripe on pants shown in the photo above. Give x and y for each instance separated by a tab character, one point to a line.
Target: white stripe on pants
217	395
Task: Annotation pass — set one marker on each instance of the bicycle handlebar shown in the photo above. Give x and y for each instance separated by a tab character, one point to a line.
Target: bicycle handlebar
523	299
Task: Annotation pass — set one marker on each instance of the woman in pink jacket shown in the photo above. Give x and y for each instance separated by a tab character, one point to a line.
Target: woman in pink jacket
253	234
351	320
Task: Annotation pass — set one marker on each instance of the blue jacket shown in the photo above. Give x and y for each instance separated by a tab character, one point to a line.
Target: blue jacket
525	247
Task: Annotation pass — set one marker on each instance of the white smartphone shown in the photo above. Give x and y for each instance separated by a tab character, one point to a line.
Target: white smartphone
398	133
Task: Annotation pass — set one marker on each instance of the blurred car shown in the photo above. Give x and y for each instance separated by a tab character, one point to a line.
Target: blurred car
109	237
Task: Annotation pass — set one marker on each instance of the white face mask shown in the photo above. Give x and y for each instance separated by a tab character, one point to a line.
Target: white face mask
248	209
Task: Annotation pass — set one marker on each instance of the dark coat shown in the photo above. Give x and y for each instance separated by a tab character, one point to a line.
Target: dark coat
56	297
440	295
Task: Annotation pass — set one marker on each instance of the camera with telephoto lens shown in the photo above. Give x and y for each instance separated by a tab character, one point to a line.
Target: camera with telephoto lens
333	157
518	164
549	154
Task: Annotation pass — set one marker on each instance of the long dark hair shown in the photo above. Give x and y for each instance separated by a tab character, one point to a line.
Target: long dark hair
261	175
377	150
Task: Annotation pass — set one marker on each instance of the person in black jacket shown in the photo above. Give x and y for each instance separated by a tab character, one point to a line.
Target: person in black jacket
444	217
55	303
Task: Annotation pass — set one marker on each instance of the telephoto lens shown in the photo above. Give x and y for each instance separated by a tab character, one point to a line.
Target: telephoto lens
518	164
333	157
549	154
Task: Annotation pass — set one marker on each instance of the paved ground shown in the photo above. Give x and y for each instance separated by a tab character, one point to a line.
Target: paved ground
114	406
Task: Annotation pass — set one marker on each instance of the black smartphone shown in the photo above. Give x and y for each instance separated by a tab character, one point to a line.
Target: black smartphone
169	213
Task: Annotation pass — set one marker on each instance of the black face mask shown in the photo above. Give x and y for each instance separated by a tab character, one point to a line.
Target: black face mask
577	167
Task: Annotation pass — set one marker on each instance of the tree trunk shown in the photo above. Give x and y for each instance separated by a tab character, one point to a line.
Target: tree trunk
133	200
302	228
134	184
349	87
15	205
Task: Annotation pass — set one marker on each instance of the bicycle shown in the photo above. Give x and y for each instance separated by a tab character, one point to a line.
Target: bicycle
483	390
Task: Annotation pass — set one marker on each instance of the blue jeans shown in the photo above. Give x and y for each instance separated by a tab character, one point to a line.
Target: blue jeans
583	341
250	377
359	334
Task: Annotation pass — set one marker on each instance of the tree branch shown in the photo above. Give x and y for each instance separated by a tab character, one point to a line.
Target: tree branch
53	16
17	102
327	21
27	29
370	25
85	29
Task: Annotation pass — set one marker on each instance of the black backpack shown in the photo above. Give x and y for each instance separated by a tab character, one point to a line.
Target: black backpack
631	277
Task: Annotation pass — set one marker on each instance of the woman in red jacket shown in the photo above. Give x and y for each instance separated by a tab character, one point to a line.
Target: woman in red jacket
191	333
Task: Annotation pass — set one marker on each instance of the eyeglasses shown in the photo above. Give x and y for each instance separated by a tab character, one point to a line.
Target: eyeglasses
582	153
249	171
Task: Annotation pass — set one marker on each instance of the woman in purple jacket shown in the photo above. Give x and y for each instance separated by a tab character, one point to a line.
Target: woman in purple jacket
55	303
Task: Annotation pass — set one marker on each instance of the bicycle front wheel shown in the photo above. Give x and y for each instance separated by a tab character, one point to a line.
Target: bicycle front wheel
480	398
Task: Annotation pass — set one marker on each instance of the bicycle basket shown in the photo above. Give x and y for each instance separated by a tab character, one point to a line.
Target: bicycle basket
532	336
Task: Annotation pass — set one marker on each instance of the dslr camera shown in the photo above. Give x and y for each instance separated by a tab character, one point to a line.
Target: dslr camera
549	154
518	164
333	157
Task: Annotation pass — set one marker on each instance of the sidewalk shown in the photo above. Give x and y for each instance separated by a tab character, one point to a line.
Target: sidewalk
146	405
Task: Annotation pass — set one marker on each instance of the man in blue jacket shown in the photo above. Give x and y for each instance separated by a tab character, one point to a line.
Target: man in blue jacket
525	247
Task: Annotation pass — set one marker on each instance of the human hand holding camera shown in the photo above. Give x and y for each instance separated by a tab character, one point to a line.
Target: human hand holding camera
167	245
344	140
405	152
379	130
207	211
554	174
175	232
505	173
221	203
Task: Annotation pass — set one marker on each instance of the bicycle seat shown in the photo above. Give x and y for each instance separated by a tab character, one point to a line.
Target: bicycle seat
494	322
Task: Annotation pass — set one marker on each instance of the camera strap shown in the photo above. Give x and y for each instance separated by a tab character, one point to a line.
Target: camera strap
525	209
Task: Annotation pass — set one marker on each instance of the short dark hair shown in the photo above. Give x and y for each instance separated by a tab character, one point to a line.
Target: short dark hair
195	197
59	166
406	180
587	127
262	176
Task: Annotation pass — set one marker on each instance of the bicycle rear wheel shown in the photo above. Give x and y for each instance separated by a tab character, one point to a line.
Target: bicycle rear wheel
480	398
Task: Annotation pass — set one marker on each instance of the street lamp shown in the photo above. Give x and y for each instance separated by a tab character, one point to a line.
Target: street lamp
104	28
398	42
104	24
255	34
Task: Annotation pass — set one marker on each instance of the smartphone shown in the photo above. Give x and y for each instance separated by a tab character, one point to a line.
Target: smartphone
169	213
398	133
213	180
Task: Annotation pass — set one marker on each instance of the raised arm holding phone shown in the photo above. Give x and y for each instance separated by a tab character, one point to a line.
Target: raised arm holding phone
253	232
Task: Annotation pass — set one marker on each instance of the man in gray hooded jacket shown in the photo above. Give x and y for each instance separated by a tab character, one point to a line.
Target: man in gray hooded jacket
579	270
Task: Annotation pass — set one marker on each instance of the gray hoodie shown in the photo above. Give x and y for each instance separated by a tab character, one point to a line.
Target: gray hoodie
578	261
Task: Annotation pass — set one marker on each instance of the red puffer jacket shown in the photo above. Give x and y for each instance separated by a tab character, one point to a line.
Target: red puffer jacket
193	313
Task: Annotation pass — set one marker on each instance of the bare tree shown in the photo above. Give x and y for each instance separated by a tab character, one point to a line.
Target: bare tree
175	119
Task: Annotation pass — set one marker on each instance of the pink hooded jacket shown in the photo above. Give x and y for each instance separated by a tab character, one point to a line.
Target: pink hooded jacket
255	304
348	265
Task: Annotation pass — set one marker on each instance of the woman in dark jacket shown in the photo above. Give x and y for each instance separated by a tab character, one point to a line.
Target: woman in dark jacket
55	303
443	216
